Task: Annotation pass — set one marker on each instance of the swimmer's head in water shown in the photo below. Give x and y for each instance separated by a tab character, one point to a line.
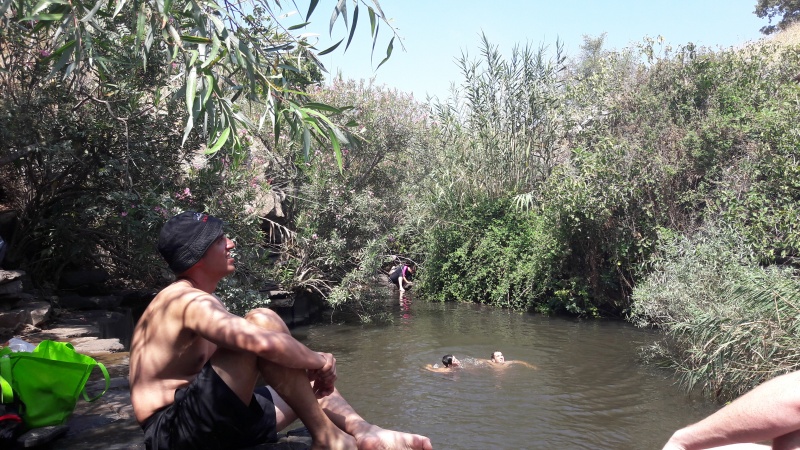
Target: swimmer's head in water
450	360
497	356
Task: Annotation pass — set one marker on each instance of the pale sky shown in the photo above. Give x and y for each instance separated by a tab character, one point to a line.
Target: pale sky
435	32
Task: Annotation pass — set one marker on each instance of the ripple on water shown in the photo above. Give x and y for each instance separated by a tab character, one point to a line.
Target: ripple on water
589	392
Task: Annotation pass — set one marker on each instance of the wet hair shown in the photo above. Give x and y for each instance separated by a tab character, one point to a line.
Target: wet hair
496	351
447	360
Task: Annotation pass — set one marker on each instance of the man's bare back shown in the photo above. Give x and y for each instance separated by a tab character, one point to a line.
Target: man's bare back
165	356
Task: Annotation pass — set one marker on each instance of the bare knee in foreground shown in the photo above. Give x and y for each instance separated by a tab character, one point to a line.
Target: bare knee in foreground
268	319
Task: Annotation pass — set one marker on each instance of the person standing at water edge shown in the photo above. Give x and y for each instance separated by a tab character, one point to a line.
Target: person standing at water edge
769	412
194	366
400	277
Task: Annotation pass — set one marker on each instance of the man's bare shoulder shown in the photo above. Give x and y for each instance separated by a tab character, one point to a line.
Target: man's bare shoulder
181	303
180	295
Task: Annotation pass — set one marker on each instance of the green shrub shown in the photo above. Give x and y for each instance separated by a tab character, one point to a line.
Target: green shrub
347	225
492	255
729	323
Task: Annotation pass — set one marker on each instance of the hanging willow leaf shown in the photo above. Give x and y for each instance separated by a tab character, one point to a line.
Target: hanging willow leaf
337	150
323	107
241	60
223	138
388	53
196	39
353	28
312	5
372	21
191	87
378	6
330	49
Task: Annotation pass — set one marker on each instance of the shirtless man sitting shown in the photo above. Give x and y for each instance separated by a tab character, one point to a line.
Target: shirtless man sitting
194	366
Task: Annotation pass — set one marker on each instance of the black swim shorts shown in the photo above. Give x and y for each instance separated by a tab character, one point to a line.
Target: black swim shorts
207	414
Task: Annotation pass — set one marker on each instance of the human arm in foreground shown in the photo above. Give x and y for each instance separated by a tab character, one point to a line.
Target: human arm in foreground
769	412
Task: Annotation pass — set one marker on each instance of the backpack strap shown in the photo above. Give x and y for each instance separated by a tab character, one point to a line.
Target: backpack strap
6	393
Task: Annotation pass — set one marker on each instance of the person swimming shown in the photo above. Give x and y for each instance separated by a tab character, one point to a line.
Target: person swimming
449	362
498	360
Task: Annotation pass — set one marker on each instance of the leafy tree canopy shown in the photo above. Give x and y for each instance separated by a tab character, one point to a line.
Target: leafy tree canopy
217	51
787	10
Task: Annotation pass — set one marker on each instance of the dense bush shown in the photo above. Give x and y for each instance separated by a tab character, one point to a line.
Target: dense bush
730	324
90	167
509	259
351	223
95	160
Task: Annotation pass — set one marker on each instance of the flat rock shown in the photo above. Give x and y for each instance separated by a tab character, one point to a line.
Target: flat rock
36	313
91	345
10	275
65	333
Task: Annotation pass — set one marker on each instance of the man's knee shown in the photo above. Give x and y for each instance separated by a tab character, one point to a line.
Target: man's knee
266	318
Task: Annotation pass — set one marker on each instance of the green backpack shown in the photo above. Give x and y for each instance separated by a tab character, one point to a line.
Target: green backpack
48	381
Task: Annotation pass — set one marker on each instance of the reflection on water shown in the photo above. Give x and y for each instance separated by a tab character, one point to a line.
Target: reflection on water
589	392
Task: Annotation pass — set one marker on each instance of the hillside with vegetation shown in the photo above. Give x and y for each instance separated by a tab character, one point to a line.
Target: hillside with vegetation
657	184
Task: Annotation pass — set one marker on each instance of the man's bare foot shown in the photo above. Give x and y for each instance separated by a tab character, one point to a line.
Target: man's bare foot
334	439
376	438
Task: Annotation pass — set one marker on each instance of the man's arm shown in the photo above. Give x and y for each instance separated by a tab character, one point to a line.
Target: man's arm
522	363
769	411
204	314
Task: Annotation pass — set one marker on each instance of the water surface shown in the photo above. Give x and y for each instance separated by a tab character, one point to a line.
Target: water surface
589	392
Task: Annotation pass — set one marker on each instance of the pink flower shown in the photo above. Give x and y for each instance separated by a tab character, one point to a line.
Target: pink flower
124	213
186	194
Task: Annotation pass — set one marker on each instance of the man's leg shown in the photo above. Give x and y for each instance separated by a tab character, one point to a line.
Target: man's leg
334	406
368	436
240	371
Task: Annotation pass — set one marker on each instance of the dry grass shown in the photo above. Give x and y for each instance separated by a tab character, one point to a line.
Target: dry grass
789	36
